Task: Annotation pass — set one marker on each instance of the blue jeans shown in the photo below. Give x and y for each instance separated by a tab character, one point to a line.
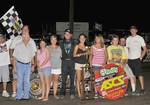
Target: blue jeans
23	80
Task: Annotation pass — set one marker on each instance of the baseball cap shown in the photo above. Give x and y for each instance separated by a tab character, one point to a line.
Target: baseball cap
68	30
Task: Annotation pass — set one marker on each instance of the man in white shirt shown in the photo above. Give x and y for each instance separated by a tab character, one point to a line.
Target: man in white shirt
4	63
135	44
24	53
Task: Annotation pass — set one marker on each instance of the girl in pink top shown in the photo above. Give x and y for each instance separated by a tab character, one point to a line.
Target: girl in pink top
98	56
44	70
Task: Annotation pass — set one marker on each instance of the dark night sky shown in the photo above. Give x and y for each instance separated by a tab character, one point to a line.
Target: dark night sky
111	13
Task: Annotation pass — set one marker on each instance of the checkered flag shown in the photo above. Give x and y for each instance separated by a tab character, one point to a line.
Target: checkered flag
11	22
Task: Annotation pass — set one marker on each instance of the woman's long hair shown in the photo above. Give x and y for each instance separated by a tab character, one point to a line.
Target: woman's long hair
82	34
101	40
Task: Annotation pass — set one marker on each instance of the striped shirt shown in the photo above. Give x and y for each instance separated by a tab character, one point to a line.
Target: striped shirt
98	56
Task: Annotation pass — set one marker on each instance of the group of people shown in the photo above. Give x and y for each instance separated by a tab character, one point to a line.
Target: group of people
66	57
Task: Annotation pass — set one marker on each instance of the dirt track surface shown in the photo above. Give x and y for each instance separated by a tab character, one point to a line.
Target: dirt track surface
130	100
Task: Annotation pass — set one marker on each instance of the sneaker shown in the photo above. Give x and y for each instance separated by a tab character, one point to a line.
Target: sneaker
72	97
96	96
101	97
135	93
5	94
56	97
126	94
62	97
142	92
13	95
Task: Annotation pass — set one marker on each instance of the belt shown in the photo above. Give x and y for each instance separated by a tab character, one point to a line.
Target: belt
23	62
67	59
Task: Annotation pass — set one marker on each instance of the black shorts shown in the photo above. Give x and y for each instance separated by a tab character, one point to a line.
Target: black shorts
135	65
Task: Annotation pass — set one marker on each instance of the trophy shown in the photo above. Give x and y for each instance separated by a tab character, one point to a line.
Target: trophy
86	78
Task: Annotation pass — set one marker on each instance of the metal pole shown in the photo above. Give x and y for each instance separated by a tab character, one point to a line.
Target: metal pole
71	15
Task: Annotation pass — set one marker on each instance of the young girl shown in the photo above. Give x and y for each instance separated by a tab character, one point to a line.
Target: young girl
43	64
80	59
98	55
55	58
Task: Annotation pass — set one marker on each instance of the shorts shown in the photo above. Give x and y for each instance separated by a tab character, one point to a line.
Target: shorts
79	66
56	71
4	73
45	71
135	66
128	71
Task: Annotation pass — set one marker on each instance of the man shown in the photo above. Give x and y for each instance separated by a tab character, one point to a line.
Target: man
23	54
4	63
116	53
135	44
128	70
67	46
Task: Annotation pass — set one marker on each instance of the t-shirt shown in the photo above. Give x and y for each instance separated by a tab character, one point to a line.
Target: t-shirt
18	39
4	53
116	53
134	45
67	47
126	50
25	53
55	57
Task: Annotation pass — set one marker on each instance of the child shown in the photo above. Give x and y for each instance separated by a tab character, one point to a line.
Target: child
98	55
117	55
43	64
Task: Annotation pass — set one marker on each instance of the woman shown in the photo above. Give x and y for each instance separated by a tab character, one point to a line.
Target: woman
43	64
79	54
55	58
98	55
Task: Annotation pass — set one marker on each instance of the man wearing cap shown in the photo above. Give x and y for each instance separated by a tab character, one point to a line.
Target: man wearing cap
67	45
135	44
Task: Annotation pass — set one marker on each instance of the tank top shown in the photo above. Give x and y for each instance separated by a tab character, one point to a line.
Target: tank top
82	58
98	56
41	56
